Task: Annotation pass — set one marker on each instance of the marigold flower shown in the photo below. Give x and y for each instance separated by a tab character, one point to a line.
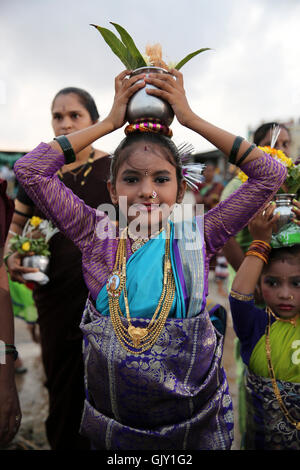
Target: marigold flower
35	221
242	176
25	246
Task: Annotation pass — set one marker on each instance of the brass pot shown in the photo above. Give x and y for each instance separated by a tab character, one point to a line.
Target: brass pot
143	106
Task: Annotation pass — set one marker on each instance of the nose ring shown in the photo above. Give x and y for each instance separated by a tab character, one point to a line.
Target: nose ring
291	297
153	195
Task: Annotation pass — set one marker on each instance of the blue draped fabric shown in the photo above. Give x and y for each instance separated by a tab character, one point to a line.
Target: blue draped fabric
174	395
144	273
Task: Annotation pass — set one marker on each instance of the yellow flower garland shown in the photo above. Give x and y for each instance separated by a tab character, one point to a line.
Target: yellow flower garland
277	154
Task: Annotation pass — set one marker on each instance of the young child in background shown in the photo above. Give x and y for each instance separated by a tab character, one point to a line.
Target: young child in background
270	338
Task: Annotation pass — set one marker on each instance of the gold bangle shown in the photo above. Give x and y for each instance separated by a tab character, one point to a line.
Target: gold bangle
242	297
258	255
263	242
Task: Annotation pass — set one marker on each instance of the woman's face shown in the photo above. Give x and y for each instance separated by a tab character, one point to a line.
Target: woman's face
148	181
280	287
69	115
283	142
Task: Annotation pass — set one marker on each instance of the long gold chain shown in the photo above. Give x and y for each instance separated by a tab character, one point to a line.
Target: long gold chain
135	339
87	166
272	374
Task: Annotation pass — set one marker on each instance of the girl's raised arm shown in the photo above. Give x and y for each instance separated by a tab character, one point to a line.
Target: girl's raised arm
171	89
124	89
36	173
37	170
248	273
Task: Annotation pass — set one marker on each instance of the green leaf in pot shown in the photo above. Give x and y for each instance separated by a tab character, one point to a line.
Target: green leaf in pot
116	46
190	56
131	47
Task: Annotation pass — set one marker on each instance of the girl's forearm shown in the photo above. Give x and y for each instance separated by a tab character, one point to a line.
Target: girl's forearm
248	274
220	138
81	139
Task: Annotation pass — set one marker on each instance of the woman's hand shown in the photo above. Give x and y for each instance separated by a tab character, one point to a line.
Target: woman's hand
296	210
262	225
124	88
15	268
172	91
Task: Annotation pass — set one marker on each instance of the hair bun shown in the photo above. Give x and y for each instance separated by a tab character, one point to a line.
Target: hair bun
149	125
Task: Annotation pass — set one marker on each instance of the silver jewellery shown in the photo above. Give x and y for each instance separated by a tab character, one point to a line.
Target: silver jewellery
153	195
191	171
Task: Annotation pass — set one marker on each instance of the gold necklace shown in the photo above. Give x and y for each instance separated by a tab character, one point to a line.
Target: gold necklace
135	339
138	242
272	373
87	166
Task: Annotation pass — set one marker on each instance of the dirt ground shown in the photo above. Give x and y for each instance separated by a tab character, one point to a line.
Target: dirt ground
34	398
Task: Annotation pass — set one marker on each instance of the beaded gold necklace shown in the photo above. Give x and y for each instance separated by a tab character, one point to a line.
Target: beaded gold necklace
138	241
272	373
135	339
87	166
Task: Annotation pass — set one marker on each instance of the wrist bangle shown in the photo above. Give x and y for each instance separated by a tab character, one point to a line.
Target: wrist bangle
67	148
241	297
6	258
235	148
11	349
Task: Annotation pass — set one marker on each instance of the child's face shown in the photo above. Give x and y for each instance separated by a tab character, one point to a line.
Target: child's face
280	286
149	182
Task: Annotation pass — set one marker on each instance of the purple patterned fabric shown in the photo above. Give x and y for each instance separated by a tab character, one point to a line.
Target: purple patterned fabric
174	396
164	399
267	427
36	172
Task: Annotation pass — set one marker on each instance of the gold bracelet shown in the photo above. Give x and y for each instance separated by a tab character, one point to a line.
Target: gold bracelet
242	297
258	255
263	242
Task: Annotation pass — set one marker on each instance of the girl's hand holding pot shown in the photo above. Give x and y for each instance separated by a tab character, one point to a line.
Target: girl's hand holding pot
124	88
172	90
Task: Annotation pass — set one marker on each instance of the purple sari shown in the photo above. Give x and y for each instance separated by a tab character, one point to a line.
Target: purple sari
176	395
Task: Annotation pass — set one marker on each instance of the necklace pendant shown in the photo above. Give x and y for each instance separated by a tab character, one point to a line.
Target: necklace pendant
114	284
137	334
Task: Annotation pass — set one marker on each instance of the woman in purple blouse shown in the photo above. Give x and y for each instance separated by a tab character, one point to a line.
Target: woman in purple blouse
154	378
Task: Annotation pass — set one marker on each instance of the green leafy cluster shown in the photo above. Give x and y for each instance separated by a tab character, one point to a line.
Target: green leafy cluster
126	50
38	246
292	181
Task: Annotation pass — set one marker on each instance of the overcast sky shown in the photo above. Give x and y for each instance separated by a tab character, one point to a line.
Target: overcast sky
251	75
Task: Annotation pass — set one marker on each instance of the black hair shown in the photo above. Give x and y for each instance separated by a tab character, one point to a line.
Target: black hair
285	253
122	152
85	99
262	131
